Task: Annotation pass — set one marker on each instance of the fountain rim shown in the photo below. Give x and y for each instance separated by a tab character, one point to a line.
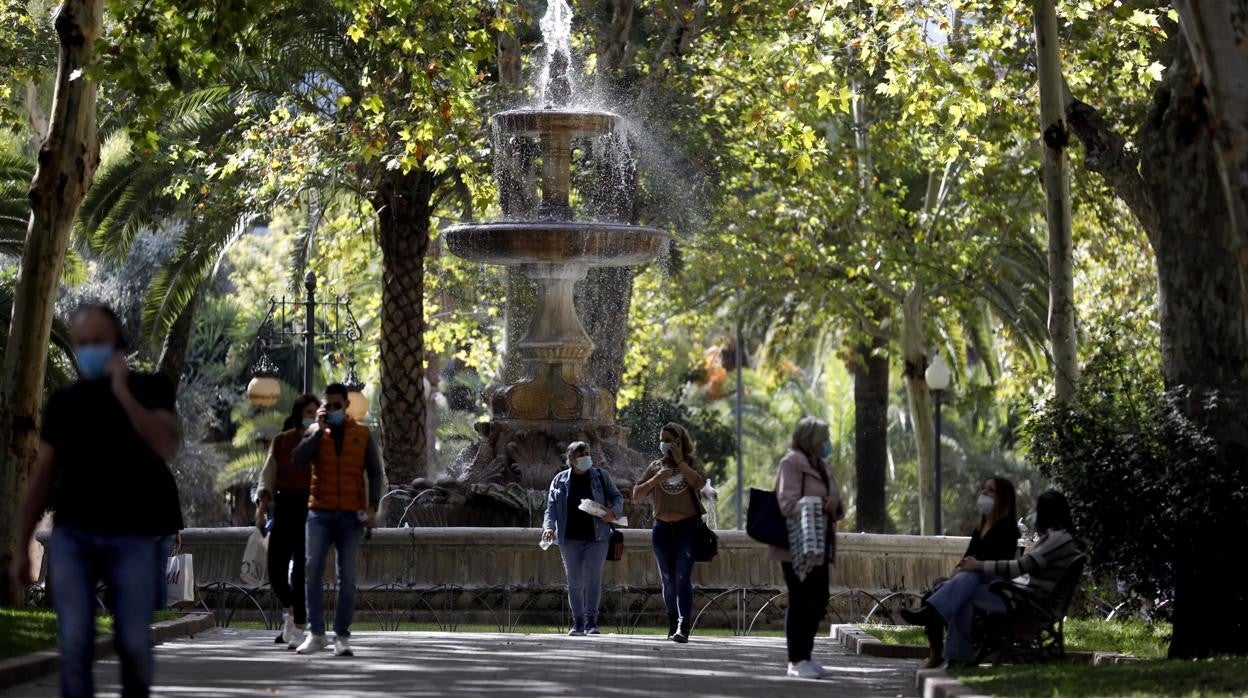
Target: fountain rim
644	246
549	120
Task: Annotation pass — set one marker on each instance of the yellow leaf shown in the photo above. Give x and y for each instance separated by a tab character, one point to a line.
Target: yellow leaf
356	32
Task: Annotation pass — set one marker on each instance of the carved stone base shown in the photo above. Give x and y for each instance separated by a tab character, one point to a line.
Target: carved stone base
502	480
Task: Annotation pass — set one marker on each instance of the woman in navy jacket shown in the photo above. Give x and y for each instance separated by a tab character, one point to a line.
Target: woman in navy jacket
582	538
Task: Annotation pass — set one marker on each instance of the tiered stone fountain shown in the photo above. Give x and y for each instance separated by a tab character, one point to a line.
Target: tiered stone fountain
502	479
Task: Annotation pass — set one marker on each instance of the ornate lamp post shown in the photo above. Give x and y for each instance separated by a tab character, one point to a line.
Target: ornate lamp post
937	376
283	322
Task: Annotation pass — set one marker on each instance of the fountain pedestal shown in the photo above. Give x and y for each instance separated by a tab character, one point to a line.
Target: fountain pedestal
555	401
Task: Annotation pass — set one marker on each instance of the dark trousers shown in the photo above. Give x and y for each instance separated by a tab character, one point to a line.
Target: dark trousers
808	604
673	550
287	544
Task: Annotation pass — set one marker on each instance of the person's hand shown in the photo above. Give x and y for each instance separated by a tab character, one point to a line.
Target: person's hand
677	454
608	517
119	373
829	504
370	519
261	510
322	421
971	564
548	535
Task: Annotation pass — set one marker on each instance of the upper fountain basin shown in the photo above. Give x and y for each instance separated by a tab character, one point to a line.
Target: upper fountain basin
512	243
574	122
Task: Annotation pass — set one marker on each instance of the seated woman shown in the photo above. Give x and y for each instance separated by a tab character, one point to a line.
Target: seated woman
953	605
996	536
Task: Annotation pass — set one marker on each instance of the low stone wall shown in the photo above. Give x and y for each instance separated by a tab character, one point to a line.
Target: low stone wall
495	557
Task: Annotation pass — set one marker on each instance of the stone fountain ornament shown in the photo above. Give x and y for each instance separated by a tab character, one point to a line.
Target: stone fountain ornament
502	479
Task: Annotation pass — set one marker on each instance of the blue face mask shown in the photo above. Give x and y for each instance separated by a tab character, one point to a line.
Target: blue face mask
665	447
336	418
93	360
308	421
826	450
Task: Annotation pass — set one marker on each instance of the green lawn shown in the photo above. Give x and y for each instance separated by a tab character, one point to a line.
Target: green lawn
1215	678
1135	637
26	630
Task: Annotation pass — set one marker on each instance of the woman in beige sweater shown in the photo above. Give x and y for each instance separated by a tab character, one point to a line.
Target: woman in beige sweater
674	480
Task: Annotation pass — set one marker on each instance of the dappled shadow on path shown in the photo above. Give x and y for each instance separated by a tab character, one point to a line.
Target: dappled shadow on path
247	663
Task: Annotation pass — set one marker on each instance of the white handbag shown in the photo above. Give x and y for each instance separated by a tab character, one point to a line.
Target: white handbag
808	531
254	570
180	578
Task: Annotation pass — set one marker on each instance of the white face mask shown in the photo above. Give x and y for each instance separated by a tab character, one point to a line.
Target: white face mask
985	504
582	464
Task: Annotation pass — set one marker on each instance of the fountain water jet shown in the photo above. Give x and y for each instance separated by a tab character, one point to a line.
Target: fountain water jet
555	401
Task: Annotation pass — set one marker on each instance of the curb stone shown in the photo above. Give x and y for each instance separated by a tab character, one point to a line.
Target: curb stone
931	683
937	683
27	667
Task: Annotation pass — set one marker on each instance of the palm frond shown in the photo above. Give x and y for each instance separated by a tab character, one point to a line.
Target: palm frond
242	471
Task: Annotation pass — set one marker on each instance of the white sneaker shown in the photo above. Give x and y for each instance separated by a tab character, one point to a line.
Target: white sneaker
804	669
823	673
288	629
313	644
295	638
342	647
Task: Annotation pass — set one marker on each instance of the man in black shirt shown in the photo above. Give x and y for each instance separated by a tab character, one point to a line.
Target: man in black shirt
102	468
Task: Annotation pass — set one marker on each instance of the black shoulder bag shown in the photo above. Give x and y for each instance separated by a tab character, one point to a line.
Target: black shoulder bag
615	547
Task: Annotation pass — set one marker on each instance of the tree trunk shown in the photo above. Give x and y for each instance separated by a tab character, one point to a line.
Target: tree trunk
1175	191
914	354
403	205
1204	339
1055	137
67	162
870	367
1217	36
177	342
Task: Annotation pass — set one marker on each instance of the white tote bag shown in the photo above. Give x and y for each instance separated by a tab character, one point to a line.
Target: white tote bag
254	571
808	529
180	578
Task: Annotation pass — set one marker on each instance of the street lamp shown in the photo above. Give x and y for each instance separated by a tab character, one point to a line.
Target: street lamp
357	401
937	376
283	321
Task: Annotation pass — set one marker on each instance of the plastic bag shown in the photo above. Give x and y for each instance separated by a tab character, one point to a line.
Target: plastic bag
180	578
593	508
254	570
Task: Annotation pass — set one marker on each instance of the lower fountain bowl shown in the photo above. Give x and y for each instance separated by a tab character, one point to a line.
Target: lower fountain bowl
513	243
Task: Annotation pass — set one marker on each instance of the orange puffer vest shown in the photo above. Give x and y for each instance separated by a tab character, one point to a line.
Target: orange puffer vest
338	479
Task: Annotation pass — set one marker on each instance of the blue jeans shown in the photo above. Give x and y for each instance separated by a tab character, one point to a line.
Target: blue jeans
344	531
956	601
673	550
582	561
164	547
79	559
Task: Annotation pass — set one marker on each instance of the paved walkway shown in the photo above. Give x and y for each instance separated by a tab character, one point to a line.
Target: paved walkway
247	663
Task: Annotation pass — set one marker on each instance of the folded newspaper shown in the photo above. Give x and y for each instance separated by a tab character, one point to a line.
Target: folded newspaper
593	508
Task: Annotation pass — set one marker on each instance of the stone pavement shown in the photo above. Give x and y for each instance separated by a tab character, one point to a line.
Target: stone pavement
247	663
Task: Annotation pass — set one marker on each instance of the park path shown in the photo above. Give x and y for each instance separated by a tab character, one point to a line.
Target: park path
247	663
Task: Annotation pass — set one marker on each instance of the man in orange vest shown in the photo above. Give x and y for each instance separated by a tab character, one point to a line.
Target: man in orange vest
340	505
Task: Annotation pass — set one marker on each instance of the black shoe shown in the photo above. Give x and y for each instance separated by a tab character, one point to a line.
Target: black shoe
682	632
280	640
671	625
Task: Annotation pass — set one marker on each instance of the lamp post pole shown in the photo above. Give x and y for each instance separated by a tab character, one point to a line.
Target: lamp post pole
936	466
309	334
740	356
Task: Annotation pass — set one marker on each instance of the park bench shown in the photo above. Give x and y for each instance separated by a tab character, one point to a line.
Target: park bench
1033	626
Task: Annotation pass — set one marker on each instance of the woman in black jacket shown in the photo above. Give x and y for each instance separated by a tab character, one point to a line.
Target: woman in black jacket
996	536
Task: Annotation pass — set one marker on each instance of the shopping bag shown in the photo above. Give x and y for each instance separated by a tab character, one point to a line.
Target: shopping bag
180	578
254	571
615	547
763	520
808	530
